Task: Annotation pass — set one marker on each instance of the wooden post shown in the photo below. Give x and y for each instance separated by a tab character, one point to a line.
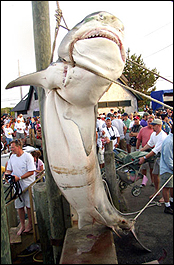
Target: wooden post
40	10
43	221
5	241
110	172
32	213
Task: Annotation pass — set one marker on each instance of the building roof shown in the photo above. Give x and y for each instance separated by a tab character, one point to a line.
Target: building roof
24	104
124	80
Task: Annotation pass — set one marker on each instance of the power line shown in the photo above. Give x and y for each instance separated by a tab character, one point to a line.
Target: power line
159	50
157	29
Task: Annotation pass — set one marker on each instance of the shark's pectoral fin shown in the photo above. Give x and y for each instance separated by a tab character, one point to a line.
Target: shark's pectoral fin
84	119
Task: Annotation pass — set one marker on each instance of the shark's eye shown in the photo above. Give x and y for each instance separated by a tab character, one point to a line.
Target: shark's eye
101	16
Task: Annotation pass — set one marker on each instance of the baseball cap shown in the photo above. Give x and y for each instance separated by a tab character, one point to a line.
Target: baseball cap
108	118
136	118
110	115
145	114
125	114
156	121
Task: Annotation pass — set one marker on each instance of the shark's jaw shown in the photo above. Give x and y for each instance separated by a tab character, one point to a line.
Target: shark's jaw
99	33
96	33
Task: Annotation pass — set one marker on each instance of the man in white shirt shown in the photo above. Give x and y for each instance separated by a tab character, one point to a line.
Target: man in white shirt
20	128
21	165
112	133
155	142
118	123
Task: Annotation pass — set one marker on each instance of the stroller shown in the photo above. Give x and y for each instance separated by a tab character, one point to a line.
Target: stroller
127	169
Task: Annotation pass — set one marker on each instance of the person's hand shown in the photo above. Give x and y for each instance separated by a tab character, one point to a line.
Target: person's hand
16	178
141	160
107	140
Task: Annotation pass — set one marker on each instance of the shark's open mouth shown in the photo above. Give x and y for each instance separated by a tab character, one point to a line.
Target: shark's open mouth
99	33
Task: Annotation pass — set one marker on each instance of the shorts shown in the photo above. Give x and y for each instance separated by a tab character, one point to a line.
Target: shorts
20	135
127	138
164	177
147	165
9	140
25	200
156	168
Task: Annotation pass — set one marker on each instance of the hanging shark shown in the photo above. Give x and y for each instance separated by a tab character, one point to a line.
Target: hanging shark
69	114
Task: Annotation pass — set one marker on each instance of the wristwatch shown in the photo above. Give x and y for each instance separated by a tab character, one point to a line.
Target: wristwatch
144	157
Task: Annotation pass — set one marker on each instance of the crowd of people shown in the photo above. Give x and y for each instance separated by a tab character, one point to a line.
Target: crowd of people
153	132
131	132
19	128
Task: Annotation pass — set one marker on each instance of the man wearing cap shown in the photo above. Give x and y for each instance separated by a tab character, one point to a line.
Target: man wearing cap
143	121
155	142
127	122
112	133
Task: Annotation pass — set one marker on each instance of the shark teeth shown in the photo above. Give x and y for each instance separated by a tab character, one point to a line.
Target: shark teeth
99	33
103	34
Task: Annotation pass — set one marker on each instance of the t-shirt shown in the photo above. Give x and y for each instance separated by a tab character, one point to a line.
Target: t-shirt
111	131
8	132
166	127
143	123
20	127
127	124
38	164
144	135
166	159
118	123
156	141
21	165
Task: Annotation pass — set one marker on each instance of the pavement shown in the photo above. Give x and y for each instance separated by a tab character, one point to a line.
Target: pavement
153	227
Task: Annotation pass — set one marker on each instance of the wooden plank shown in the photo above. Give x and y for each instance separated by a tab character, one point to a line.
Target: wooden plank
14	238
90	245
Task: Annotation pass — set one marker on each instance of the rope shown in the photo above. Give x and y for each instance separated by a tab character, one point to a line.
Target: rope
37	260
127	87
153	197
41	174
149	70
58	16
109	194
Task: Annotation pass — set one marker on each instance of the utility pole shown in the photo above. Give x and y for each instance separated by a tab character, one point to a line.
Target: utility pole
20	75
42	41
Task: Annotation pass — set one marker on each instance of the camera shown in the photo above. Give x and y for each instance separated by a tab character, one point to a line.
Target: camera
112	137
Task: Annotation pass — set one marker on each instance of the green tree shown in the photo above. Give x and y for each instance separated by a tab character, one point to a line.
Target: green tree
139	78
